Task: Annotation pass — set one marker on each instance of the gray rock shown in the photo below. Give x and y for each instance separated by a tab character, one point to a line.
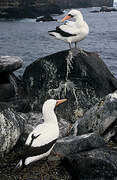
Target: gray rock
107	9
11	127
80	76
10	63
73	145
45	18
102	118
97	164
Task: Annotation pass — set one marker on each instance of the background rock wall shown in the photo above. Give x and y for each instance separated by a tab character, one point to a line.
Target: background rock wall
82	3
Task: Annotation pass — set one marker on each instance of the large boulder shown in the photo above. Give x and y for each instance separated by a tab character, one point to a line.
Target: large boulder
102	118
97	164
10	63
11	127
80	76
75	144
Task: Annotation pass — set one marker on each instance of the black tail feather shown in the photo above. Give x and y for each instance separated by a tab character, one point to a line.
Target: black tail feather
18	168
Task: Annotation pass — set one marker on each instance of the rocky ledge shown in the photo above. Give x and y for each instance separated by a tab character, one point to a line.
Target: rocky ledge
30	11
87	145
105	9
33	9
80	76
45	18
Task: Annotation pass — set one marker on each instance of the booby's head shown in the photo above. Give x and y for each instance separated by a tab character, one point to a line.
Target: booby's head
49	106
52	103
73	14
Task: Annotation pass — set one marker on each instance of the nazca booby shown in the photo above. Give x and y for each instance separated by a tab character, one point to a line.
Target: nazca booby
42	139
71	32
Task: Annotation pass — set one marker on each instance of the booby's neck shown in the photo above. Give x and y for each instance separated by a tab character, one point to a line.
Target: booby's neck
50	117
79	19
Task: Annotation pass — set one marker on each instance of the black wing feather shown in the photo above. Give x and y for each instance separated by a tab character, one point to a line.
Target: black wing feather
63	33
30	151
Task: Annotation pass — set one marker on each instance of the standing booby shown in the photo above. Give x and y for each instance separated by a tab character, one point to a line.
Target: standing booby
71	32
42	139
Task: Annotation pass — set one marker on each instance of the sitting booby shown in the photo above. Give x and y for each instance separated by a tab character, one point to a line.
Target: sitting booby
42	139
71	32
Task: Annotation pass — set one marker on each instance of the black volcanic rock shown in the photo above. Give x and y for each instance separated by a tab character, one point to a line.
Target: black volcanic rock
10	63
80	76
8	85
107	9
97	164
101	118
45	18
95	11
75	144
30	11
33	9
83	3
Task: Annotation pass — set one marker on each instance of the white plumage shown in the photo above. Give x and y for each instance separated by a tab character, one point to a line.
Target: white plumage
43	138
72	32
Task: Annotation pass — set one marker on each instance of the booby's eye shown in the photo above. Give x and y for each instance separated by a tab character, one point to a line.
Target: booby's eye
70	15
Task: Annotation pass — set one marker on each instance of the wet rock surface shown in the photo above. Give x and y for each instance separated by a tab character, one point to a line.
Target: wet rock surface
80	76
101	118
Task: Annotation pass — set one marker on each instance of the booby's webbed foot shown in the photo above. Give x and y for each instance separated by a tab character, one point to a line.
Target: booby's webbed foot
80	51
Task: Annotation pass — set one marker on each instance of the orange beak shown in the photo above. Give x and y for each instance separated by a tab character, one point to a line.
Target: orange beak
60	101
65	18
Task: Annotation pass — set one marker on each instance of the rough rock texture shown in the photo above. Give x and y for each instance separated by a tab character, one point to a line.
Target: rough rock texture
8	81
11	126
45	18
101	118
83	78
80	76
75	144
9	64
97	164
83	3
107	9
29	11
33	9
